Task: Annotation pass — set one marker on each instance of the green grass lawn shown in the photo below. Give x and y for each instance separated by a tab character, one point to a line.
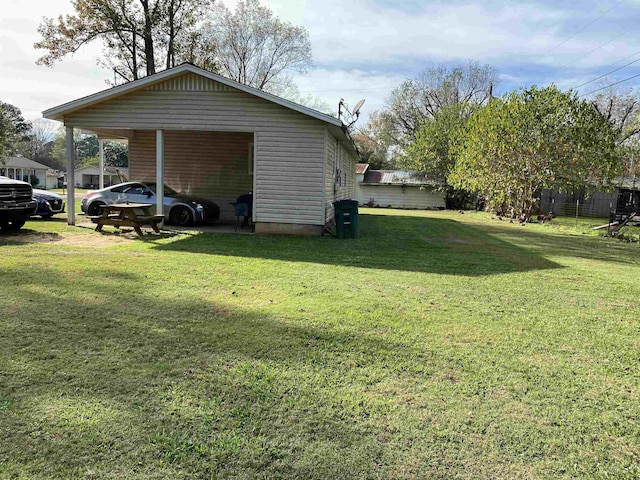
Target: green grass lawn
438	346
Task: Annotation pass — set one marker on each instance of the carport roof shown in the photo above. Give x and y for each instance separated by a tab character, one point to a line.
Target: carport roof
58	113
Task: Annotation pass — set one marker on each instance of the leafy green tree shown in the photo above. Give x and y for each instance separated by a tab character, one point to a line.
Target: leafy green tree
32	179
432	152
371	152
116	154
136	35
87	148
535	139
14	131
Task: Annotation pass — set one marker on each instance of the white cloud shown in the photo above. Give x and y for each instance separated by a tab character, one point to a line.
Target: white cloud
361	47
34	88
353	85
358	32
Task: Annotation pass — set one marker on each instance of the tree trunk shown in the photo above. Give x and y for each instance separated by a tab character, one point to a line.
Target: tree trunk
148	38
134	56
172	34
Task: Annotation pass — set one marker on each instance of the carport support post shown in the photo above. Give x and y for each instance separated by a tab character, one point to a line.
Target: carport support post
101	161
159	172
71	179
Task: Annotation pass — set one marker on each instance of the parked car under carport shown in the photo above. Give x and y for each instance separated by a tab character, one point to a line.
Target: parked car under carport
179	209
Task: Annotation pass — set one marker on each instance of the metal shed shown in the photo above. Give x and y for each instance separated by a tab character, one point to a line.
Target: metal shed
202	133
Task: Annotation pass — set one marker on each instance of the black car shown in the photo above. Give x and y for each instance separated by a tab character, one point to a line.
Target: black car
49	203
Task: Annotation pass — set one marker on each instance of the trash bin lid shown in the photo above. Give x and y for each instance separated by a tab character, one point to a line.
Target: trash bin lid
344	203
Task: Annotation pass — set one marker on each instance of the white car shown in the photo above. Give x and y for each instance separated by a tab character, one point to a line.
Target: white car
182	210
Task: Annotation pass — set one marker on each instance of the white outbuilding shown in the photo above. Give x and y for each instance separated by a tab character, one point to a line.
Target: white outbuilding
203	134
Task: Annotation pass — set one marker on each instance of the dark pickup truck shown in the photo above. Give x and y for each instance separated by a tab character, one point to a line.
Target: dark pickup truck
16	203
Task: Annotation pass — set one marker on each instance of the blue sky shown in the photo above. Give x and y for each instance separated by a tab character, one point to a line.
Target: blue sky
364	48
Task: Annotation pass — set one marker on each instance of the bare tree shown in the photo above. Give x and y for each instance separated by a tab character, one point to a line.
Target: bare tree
256	48
40	143
621	107
418	100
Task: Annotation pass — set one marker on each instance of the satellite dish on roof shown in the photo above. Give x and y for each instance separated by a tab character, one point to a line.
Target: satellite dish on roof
342	106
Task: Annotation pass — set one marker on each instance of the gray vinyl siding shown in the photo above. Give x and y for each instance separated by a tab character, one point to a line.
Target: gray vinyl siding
330	179
347	188
190	82
340	179
290	175
290	146
190	110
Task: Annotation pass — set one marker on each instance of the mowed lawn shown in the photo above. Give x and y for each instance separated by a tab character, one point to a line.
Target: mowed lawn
438	346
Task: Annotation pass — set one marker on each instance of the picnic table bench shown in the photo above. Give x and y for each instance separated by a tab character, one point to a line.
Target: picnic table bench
133	215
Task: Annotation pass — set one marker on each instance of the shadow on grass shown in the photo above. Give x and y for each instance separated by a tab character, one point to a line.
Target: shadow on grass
98	372
134	382
387	242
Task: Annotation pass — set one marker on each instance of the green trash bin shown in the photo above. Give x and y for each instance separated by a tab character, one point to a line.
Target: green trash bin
346	218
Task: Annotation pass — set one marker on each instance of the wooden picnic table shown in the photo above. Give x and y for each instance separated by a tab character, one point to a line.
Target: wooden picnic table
127	215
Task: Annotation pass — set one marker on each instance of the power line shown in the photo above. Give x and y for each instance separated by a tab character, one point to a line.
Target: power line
610	85
609	73
599	47
578	32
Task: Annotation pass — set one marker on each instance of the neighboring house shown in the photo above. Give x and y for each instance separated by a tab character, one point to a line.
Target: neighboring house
20	168
89	176
398	189
204	134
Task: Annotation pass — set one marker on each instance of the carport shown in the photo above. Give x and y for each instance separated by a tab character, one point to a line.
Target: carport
207	135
